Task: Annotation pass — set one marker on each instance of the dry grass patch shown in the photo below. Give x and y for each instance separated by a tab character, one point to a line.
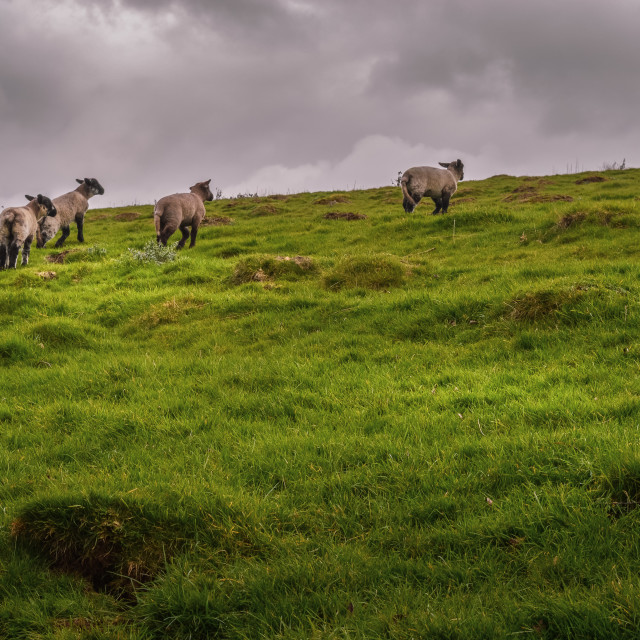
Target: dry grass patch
571	219
331	200
127	216
218	221
59	258
47	275
537	305
344	215
590	179
264	210
169	312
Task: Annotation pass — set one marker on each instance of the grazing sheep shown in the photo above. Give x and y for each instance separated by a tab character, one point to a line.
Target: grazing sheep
438	184
71	206
181	210
18	225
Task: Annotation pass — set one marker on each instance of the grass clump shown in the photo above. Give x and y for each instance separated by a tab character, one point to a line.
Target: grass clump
535	305
115	544
368	272
152	253
258	268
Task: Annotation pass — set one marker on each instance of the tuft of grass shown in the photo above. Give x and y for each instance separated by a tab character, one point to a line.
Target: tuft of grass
115	543
369	272
261	267
536	305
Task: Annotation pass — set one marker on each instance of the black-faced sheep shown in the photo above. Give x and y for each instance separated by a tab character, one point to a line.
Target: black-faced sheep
438	184
181	210
18	226
71	207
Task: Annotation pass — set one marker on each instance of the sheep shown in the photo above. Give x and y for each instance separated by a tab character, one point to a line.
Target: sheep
71	206
181	210
18	225
438	184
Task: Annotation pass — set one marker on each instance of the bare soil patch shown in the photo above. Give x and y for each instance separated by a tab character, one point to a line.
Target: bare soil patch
59	258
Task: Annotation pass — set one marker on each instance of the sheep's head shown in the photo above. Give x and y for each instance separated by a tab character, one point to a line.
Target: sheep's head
202	189
95	188
45	206
456	167
47	228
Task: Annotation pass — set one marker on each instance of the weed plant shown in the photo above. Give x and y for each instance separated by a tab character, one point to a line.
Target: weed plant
152	252
408	426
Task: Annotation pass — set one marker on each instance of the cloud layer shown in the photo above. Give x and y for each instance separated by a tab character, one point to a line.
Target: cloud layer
288	95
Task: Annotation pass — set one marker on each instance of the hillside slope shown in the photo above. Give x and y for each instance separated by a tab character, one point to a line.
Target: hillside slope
329	419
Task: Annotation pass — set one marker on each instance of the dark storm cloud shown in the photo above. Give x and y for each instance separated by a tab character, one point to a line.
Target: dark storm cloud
150	96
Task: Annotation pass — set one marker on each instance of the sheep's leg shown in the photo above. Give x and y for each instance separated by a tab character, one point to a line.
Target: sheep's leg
407	206
185	234
194	233
26	250
65	234
438	203
167	231
80	224
445	202
14	248
3	256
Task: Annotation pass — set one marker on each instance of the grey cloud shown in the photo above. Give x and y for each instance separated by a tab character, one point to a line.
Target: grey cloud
151	95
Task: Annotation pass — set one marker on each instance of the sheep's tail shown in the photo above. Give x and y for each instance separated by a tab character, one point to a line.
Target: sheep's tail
157	213
408	202
8	219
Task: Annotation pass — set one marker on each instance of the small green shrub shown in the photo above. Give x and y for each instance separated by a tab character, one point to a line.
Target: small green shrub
370	272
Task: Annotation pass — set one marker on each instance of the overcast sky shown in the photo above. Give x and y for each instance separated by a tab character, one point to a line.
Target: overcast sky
277	96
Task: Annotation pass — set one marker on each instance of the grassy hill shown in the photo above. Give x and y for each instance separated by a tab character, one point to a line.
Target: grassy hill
330	419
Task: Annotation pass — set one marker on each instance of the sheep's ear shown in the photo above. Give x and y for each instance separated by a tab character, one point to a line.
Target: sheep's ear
208	181
87	181
40	198
458	163
443	164
29	198
79	181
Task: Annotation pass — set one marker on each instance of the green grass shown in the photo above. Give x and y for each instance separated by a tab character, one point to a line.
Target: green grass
397	426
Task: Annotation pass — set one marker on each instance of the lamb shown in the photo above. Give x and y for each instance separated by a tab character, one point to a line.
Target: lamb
181	210
71	206
438	184
18	225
